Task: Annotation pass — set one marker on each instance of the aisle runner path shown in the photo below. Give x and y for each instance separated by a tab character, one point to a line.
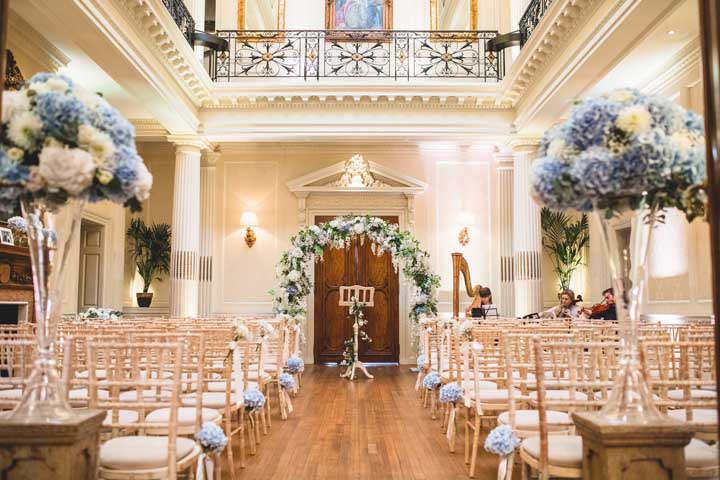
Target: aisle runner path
367	429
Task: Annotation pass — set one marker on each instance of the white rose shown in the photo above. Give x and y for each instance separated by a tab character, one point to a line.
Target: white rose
296	252
143	183
334	223
635	119
24	127
359	228
71	169
14	102
621	95
556	148
293	276
15	153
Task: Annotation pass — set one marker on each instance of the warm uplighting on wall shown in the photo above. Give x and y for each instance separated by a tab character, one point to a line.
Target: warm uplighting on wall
249	220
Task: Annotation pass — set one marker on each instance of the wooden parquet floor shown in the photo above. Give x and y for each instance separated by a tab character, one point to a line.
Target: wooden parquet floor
367	429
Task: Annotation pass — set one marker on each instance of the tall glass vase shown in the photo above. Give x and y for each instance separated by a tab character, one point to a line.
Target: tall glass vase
626	237
51	233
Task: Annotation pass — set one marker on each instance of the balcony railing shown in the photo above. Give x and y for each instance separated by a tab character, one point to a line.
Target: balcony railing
316	54
531	18
183	19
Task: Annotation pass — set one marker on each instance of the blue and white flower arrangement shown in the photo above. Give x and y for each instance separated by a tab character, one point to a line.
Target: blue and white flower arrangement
211	438
431	381
18	224
253	399
502	441
100	314
60	142
293	272
295	364
451	393
421	361
287	381
623	149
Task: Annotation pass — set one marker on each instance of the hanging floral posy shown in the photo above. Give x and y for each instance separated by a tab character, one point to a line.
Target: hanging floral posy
293	270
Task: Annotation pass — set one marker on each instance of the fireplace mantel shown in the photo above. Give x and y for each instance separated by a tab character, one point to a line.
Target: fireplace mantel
19	288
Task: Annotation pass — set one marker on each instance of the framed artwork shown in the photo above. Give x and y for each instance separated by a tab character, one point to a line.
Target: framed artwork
358	15
6	236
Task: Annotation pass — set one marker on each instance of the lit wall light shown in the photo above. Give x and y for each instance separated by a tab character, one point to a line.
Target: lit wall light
249	220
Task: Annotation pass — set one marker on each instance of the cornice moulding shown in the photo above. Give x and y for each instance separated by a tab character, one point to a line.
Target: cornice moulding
682	63
25	39
191	141
149	130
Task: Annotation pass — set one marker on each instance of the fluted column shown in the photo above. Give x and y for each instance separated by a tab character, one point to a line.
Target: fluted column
504	232
185	229
207	231
527	240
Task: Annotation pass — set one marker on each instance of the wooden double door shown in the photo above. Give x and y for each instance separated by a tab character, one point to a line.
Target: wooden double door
356	266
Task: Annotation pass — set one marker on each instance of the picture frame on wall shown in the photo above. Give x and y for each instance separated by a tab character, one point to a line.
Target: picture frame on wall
362	15
6	236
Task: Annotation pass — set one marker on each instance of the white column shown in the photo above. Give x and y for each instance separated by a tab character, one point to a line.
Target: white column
207	231
504	233
527	243
185	231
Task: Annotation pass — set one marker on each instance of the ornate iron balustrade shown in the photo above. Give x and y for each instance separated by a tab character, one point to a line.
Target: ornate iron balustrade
531	18
315	54
183	19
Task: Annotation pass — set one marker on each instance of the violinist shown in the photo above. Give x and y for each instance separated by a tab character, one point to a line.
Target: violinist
606	309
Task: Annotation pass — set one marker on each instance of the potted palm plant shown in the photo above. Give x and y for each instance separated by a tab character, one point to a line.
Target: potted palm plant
150	250
565	240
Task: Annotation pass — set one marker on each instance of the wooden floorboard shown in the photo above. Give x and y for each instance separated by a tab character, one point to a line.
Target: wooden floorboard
367	429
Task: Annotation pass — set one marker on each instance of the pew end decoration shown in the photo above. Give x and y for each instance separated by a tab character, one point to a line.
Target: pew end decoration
503	442
61	147
356	297
626	156
212	439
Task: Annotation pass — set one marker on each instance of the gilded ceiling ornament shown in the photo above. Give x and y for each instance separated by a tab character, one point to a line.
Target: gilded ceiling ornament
356	174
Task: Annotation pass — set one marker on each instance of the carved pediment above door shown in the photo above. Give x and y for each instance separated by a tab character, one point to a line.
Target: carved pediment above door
358	182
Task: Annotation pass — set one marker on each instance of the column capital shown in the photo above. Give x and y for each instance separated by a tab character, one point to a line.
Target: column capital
524	144
195	143
504	158
209	159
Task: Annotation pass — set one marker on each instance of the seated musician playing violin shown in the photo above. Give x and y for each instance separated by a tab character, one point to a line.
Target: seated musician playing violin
605	310
568	307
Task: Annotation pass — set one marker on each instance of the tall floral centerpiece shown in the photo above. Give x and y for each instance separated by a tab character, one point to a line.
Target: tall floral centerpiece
61	146
626	156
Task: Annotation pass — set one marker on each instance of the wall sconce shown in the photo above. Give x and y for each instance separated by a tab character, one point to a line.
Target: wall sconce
249	220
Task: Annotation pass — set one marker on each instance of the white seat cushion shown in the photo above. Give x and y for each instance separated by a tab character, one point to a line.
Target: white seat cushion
492	396
99	373
151	395
186	415
694	394
124	416
700	415
528	420
219	386
483	384
699	454
563	450
82	394
209	400
11	394
559	395
140	452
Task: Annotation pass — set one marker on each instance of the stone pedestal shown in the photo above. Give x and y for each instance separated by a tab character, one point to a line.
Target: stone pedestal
614	452
57	452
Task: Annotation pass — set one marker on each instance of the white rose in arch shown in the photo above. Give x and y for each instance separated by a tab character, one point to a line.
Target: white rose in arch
359	228
294	276
71	169
296	252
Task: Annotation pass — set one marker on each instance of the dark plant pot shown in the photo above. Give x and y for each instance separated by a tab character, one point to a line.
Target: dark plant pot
144	299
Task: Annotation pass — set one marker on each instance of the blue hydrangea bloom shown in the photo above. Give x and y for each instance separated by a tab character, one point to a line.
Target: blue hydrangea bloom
421	361
44	77
110	121
211	438
60	113
451	393
254	399
295	364
286	381
501	441
431	381
17	223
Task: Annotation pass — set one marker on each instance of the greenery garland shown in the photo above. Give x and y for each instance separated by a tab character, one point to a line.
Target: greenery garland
293	269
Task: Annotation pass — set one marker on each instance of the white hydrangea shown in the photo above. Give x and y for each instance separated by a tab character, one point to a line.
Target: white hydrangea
296	253
556	148
682	141
143	183
13	103
334	223
98	143
294	276
621	95
242	332
635	119
23	128
359	228
71	169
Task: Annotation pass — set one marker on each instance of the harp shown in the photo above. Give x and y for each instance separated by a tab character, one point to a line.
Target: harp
460	265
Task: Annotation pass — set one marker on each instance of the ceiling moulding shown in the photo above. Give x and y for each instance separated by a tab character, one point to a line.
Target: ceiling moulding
157	29
149	130
347	101
561	21
24	39
684	62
